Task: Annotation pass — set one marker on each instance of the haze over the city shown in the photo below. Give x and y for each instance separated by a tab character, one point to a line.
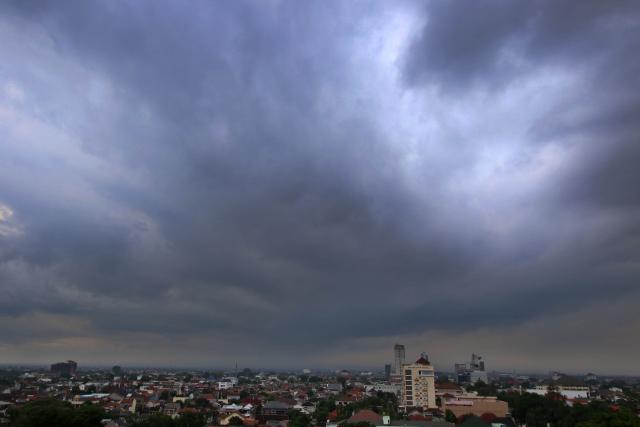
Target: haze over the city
295	184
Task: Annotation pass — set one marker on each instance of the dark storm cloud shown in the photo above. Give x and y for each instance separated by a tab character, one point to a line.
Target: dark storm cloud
240	171
277	209
494	42
489	46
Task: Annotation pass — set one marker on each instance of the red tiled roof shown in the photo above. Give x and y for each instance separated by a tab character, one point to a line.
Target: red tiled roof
366	415
419	417
447	386
488	417
346	398
422	361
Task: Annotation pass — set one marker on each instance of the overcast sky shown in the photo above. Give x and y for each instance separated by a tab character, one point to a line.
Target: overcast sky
306	183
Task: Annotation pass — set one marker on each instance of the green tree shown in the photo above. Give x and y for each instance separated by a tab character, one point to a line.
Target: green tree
236	421
298	419
322	410
483	389
201	403
191	420
46	413
450	416
156	420
536	418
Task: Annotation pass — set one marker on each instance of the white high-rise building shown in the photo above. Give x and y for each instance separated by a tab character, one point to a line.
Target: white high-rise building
418	385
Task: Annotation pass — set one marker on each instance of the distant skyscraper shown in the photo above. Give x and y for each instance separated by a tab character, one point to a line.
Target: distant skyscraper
399	358
471	372
65	368
387	371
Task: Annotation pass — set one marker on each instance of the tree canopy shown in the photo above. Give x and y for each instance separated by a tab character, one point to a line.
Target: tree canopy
47	413
539	411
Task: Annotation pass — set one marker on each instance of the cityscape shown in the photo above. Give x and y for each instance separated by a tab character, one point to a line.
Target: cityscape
405	393
319	213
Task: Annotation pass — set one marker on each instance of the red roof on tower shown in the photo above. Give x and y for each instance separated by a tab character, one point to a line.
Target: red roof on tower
422	361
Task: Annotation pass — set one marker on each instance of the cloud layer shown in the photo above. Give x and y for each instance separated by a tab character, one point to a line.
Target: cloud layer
286	184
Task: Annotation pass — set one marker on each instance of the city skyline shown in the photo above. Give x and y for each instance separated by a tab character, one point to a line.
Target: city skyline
306	184
441	367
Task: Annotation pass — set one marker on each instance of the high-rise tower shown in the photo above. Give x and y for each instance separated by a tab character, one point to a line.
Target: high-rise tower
418	385
399	358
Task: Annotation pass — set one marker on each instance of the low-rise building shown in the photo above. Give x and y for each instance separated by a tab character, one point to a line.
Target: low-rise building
274	408
476	405
384	388
569	387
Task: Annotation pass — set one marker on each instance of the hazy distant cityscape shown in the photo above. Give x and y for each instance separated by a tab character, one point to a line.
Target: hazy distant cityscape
404	393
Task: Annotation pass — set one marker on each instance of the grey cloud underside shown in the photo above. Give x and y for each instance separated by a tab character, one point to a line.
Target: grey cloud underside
230	173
